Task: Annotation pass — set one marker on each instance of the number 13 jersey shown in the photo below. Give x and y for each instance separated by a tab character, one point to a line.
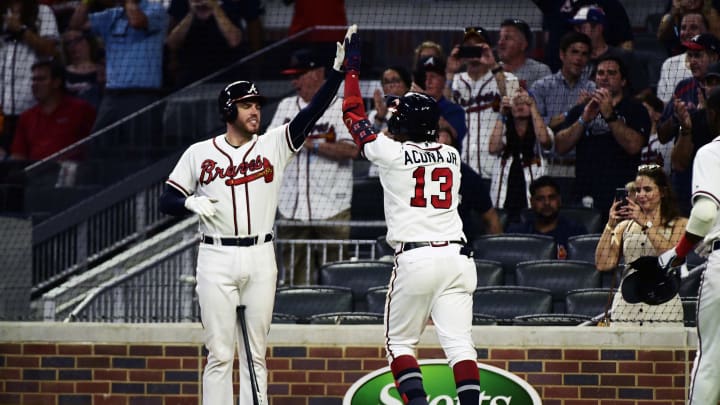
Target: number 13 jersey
421	183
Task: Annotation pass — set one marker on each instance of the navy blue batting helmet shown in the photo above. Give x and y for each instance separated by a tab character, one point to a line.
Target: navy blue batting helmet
416	116
234	93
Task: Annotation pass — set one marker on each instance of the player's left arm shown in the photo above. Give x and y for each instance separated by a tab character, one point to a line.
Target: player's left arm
303	122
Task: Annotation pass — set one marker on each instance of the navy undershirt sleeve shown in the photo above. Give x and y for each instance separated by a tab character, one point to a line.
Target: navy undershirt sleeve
172	202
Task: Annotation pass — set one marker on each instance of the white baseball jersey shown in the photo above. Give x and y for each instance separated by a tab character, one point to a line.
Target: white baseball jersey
672	71
315	187
245	181
705	384
481	100
421	183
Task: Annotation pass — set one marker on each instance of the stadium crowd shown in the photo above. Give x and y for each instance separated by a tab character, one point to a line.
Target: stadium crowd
573	102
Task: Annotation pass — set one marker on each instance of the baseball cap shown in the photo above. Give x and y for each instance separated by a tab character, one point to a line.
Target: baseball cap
713	70
432	64
302	61
703	42
476	32
591	14
521	25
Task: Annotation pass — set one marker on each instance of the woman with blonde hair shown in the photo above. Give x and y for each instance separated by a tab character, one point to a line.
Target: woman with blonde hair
647	225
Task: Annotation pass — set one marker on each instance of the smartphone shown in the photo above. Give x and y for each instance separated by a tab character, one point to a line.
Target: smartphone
621	195
470	51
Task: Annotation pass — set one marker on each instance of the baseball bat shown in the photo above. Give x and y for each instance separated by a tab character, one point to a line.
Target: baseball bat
248	353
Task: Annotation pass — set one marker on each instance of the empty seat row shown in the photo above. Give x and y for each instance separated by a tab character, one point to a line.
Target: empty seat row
302	304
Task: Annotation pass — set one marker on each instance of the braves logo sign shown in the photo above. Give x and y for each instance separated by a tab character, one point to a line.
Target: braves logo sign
258	168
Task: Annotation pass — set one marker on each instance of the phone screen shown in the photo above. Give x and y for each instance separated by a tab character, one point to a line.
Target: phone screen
470	51
621	195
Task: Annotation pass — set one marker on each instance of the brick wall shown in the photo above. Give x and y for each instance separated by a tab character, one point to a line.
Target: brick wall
84	373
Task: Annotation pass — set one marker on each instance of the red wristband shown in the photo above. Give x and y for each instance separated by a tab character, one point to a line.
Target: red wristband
683	247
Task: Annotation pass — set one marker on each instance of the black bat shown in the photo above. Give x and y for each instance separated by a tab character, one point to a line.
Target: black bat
248	353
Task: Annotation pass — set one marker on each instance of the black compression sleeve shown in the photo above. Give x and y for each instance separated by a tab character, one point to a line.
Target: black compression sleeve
303	122
172	202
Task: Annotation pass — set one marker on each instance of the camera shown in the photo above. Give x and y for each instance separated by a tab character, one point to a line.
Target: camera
471	51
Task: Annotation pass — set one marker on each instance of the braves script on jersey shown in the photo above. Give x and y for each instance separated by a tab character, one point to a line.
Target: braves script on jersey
481	101
423	209
244	180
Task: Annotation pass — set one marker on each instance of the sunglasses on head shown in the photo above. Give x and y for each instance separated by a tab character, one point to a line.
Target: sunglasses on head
648	167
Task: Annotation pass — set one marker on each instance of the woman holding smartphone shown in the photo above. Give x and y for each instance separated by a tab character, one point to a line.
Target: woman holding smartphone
648	225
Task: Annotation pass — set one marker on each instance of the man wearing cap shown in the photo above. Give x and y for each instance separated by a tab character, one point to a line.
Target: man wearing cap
675	67
318	182
555	22
479	91
694	133
433	68
702	50
591	21
513	45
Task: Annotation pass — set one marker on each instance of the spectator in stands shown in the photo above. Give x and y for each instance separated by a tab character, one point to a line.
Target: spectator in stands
56	121
514	45
318	181
557	93
693	133
545	218
654	152
608	133
29	32
675	68
669	31
474	196
84	72
647	226
519	136
433	68
702	50
395	81
592	21
479	91
422	51
206	35
555	22
134	34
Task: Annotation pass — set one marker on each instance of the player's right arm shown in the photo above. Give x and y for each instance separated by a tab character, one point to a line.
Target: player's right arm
354	115
303	122
179	197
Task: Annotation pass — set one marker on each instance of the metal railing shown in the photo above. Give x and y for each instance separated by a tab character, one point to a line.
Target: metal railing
161	289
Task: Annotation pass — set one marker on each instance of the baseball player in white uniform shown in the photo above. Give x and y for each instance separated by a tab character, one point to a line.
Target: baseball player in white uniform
434	275
232	182
704	225
308	193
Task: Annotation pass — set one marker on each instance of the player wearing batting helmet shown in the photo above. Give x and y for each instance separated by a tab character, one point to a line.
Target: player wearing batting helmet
434	274
231	181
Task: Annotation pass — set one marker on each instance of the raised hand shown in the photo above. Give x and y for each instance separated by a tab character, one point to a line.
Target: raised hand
352	49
